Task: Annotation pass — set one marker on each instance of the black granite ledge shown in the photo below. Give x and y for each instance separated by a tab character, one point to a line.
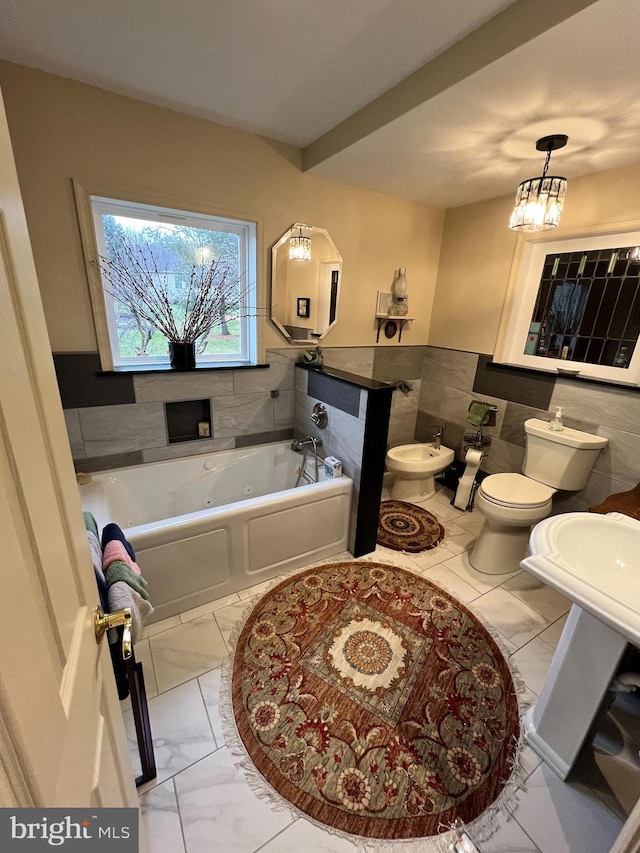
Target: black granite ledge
343	376
166	368
490	364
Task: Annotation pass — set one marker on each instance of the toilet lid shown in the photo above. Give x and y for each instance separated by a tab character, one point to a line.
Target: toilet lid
515	490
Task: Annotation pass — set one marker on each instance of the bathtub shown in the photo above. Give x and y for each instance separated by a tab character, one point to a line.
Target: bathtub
206	526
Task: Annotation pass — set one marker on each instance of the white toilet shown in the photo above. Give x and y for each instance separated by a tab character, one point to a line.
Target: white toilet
414	466
512	503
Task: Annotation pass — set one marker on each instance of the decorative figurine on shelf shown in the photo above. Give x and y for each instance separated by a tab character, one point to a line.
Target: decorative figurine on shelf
400	304
315	358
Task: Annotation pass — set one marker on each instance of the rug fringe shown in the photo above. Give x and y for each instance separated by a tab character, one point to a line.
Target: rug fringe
479	830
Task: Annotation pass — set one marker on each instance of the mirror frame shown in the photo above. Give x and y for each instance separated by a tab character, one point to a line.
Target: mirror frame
524	279
280	245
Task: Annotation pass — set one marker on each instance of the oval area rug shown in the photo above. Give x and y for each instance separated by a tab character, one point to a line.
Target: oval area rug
407	527
374	702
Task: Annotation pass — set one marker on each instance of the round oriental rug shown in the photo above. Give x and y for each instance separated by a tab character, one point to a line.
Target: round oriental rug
374	702
406	527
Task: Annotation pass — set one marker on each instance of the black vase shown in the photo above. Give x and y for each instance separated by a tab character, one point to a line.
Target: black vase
182	355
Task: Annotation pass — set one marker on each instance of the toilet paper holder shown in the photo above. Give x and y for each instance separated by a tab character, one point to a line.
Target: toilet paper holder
476	441
468	482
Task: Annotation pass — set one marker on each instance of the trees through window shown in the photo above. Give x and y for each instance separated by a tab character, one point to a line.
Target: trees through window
175	275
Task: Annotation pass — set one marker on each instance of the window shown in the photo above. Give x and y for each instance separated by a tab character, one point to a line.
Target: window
573	305
171	252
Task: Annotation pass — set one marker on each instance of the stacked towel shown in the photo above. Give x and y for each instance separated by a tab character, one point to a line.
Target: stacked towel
118	561
112	532
121	595
90	523
96	558
119	571
115	550
479	414
120	583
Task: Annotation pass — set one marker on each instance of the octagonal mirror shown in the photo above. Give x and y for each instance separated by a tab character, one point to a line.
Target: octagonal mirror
306	273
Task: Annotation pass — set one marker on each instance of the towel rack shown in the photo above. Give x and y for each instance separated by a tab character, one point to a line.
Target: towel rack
140	709
491	408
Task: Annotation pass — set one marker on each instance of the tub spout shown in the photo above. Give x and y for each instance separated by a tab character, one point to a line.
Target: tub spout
299	444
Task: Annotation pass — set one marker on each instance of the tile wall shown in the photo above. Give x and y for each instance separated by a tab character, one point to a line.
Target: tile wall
119	420
357	418
444	382
451	379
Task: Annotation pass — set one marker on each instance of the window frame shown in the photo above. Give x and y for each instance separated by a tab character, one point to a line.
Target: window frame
530	252
248	228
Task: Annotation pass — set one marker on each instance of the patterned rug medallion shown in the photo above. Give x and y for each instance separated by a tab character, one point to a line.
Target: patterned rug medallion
406	527
374	702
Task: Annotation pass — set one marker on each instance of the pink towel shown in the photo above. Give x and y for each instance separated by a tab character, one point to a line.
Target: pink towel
115	550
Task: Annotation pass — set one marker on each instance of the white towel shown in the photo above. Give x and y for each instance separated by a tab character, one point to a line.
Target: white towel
122	595
96	552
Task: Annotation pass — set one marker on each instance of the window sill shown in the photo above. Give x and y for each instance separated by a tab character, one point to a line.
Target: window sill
166	368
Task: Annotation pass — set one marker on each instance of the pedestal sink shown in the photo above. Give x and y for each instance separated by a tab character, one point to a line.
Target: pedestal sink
594	560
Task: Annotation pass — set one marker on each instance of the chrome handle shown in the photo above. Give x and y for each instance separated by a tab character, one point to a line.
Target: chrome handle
103	621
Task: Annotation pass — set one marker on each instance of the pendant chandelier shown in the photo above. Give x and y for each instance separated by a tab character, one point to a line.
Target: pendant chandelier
299	245
539	201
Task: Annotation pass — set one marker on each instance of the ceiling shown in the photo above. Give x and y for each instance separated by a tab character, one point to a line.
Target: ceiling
438	102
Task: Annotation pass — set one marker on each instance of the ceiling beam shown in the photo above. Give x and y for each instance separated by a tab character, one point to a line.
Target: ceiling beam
511	28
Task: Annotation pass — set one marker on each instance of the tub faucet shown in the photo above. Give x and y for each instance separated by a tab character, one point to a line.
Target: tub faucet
303	444
299	444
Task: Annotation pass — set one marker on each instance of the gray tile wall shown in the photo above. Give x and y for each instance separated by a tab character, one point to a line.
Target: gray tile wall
343	437
248	407
443	383
391	364
451	379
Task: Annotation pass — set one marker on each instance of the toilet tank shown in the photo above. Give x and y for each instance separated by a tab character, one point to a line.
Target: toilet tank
562	459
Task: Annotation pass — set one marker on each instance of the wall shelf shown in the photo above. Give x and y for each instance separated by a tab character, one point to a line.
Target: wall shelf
392	324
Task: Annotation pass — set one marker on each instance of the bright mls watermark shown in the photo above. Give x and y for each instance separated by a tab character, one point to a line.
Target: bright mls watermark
35	830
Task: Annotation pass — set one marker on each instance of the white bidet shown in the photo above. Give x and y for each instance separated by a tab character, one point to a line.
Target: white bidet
414	466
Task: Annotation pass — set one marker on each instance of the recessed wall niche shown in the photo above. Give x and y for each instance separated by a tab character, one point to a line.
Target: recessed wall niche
184	419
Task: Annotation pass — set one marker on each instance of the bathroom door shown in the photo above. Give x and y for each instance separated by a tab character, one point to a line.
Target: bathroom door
62	737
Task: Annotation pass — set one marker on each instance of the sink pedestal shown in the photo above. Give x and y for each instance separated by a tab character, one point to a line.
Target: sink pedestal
582	668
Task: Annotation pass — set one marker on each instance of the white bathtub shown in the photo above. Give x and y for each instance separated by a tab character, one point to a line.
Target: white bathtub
206	526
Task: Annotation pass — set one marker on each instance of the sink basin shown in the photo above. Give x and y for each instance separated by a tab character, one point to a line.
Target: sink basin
594	560
419	459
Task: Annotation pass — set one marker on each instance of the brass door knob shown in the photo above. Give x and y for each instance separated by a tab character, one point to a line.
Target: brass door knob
103	621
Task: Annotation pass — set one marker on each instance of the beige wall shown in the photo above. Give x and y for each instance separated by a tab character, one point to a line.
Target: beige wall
63	130
477	251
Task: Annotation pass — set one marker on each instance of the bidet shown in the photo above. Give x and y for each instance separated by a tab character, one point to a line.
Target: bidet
414	467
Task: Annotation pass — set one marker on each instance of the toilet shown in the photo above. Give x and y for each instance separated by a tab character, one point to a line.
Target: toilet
413	467
512	503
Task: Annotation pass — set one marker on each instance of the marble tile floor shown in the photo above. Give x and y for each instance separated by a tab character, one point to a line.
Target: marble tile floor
201	802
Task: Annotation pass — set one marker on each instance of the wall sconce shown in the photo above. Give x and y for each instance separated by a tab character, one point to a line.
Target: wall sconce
539	201
299	245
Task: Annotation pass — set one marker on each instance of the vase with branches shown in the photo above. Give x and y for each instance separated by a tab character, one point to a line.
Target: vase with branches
138	279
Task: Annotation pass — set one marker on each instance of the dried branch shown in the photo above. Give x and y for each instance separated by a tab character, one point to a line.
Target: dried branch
133	277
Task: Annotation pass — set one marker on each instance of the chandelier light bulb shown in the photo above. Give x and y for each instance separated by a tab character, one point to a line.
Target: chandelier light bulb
299	246
539	201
